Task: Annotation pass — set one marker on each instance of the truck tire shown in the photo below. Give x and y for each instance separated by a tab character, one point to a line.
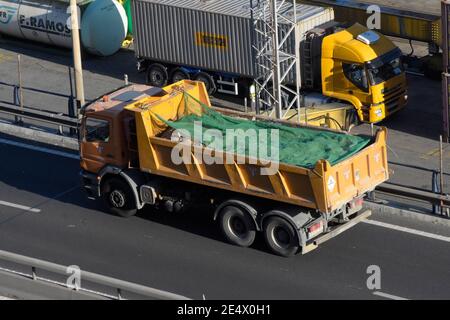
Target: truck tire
119	198
208	81
179	74
237	227
157	75
281	237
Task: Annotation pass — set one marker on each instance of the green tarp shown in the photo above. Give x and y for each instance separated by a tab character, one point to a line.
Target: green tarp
296	146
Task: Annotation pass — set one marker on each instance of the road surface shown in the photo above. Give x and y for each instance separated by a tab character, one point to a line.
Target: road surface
44	214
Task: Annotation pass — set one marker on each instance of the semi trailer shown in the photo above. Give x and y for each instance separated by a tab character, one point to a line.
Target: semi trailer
213	42
133	138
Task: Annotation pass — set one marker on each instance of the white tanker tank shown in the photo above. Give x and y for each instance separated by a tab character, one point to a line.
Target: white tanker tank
104	23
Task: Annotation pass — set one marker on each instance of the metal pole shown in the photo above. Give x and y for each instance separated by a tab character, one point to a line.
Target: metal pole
78	68
441	170
19	76
445	4
125	77
276	61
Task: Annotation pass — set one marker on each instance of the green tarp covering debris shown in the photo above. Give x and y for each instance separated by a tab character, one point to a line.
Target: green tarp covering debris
296	146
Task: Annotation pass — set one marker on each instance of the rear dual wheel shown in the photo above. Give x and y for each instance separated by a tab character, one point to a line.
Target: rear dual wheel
237	226
239	229
281	237
157	75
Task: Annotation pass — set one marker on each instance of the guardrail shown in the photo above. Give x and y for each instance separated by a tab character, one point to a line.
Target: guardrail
19	110
436	197
121	287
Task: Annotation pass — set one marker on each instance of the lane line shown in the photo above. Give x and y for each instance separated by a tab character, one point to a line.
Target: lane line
407	230
40	149
388	296
19	206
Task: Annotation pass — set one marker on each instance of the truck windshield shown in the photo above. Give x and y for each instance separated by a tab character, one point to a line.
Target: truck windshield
385	67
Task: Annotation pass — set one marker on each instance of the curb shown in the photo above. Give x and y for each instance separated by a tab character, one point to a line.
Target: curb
396	209
39	136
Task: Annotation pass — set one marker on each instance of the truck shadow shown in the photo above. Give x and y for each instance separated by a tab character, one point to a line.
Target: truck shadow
422	116
198	222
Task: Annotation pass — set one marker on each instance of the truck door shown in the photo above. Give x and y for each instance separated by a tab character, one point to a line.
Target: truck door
97	148
357	83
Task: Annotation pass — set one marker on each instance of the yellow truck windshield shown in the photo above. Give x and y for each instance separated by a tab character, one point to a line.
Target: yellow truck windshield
385	67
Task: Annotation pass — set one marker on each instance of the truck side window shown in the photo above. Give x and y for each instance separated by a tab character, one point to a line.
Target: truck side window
357	75
97	130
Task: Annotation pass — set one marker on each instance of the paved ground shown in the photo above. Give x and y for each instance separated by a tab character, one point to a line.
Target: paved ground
185	254
431	7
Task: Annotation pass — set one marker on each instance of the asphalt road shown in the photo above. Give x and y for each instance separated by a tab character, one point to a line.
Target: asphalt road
185	253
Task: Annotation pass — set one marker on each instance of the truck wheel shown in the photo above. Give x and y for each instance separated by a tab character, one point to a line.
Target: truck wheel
281	237
208	81
119	198
179	74
157	75
237	226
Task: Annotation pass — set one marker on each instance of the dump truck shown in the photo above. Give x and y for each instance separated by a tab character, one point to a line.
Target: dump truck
215	41
139	148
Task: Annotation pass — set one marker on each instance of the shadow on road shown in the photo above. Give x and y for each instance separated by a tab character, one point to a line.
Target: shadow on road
115	66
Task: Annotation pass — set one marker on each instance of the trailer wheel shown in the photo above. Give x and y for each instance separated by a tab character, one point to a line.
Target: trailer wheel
157	75
237	226
207	80
119	198
179	74
281	237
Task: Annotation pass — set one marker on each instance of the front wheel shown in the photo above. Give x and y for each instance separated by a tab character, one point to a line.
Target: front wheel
281	237
119	198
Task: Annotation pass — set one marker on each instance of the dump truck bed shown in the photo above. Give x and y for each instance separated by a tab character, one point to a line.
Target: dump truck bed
323	187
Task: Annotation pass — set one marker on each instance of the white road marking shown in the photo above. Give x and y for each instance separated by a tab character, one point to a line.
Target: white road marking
40	149
388	296
19	206
407	230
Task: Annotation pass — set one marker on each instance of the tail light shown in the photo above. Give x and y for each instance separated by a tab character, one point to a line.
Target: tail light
315	229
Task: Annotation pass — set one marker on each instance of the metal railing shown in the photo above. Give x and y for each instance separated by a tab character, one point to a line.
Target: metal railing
436	197
121	287
19	110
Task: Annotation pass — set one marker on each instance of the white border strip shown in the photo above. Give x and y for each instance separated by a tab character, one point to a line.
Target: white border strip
19	206
407	230
388	296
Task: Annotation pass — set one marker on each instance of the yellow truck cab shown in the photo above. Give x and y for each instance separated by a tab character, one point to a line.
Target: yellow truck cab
364	68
